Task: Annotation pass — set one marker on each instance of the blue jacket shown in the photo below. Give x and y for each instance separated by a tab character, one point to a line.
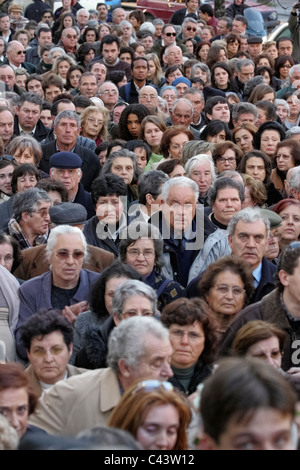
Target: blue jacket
35	294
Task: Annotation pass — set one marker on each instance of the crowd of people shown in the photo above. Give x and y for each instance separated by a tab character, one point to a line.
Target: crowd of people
149	230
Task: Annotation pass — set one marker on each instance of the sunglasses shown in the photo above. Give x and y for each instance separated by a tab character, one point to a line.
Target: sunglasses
189	28
151	385
65	254
170	34
20	52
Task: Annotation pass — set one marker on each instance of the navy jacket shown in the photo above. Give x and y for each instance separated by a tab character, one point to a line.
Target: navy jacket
84	198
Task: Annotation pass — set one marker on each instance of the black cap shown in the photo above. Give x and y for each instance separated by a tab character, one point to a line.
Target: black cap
65	160
254	40
68	213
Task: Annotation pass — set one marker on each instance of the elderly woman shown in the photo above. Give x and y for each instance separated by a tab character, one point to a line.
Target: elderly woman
155	414
25	149
269	134
201	169
287	156
196	147
123	163
141	247
193	342
102	294
262	340
131	298
65	287
226	156
94	122
226	286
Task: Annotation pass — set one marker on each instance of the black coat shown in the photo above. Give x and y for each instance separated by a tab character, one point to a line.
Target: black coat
92	239
40	132
90	162
201	372
84	198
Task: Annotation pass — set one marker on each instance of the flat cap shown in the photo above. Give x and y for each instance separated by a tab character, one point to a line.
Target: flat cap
254	40
65	160
274	219
68	213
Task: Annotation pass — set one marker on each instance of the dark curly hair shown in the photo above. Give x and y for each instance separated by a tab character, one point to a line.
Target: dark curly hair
139	110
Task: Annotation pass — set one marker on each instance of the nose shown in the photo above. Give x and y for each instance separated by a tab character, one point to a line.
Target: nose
48	357
185	338
162	439
229	294
14	421
166	371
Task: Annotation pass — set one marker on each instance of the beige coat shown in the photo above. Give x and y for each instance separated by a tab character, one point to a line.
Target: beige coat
35	383
79	403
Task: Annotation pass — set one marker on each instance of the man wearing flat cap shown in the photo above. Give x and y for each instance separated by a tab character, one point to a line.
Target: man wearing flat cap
34	262
254	46
66	168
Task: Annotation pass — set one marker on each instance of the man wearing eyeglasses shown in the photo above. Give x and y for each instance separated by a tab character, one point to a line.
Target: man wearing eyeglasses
69	40
109	94
189	30
15	57
168	38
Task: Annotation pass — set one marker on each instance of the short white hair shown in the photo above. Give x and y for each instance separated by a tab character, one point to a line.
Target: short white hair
63	230
201	158
181	181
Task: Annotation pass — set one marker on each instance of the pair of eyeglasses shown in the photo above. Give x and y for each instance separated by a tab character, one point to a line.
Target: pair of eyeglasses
20	52
65	254
151	385
189	28
224	160
224	289
170	34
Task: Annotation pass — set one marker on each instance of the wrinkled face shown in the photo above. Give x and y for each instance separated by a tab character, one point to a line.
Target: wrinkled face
284	159
5	179
268	142
170	97
49	356
123	167
247	72
201	174
100	71
148	97
67	131
141	256
222	27
179	208
282	112
14	407
182	115
6	255
28	115
159	428
267	350
109	209
37	223
174	56
249	242
187	343
25	182
24	156
226	205
82	17
69	177
227	161
93	125
88	86
227	295
69	38
67	260
189	30
135	306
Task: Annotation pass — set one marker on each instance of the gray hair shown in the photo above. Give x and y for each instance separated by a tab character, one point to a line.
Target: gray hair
151	182
243	63
195	147
281	102
28	201
188	20
193	91
294	68
292	131
294	181
81	10
55	49
128	340
180	101
128	289
201	158
181	181
67	114
241	108
222	183
137	230
166	51
125	23
204	68
125	154
249	215
168	87
64	230
30	98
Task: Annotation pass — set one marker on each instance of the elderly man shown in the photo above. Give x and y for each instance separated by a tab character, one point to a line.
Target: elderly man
30	222
68	40
148	96
280	306
244	71
127	32
254	46
139	348
183	226
27	119
109	94
15	57
182	115
34	261
67	129
66	168
109	193
118	15
82	17
139	71
172	55
294	76
196	97
6	125
189	29
7	76
131	298
48	340
292	183
66	284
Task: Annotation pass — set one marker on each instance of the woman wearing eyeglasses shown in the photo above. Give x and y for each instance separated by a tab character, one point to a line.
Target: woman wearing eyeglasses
193	340
94	122
66	286
155	414
226	286
226	156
